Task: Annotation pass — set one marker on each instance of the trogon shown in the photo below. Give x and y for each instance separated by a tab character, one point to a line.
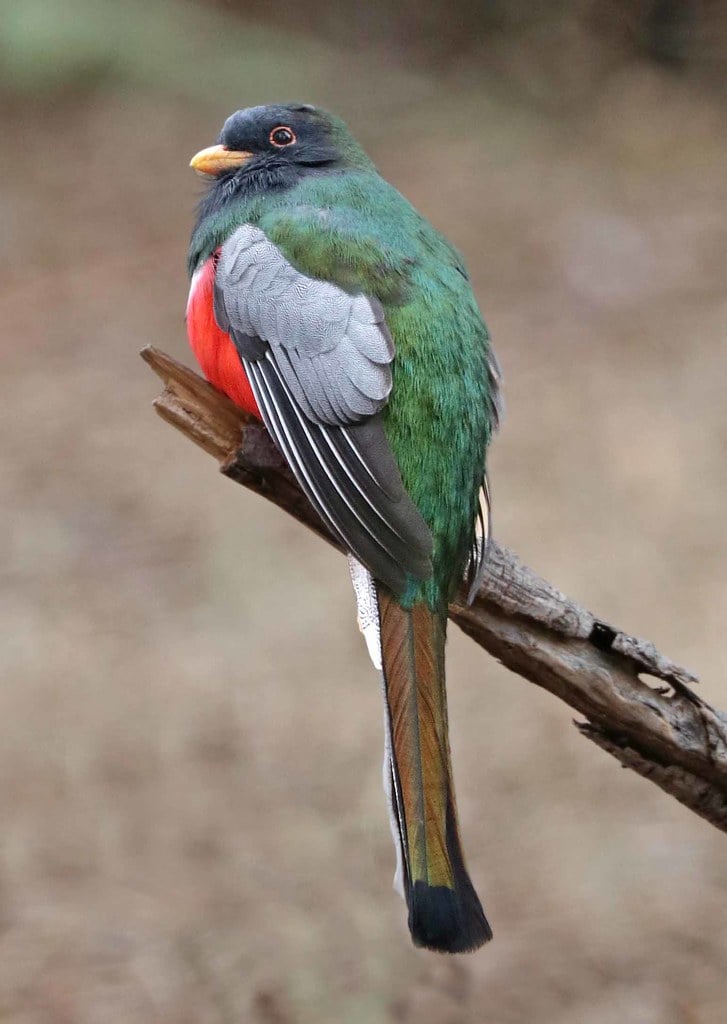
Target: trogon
323	303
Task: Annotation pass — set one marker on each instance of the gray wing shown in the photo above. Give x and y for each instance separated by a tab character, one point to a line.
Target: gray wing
333	349
319	364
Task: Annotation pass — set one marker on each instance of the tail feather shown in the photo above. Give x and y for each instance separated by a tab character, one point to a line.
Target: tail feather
444	911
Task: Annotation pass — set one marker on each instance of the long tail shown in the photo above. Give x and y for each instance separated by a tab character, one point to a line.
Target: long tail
444	911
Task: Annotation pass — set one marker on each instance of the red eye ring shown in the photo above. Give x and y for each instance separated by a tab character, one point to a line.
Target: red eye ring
282	136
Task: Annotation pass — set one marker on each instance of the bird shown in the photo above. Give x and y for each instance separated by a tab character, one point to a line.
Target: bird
324	304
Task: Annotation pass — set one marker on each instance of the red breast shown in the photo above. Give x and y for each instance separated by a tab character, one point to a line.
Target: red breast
214	348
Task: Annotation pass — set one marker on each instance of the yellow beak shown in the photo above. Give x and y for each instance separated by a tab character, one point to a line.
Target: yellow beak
216	160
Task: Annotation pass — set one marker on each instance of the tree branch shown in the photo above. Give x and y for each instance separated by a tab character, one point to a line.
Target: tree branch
664	732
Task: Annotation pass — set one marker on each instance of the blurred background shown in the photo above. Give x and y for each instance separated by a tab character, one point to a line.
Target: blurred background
191	817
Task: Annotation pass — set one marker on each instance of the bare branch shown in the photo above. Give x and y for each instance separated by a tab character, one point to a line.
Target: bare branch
665	733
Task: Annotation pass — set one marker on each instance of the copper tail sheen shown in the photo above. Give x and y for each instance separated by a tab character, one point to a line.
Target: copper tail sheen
445	913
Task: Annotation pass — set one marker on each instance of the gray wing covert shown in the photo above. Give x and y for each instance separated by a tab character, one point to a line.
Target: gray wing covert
333	349
319	364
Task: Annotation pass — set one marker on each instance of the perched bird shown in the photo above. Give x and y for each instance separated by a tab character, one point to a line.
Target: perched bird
322	302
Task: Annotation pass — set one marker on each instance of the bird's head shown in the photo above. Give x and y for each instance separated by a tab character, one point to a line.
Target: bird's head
279	140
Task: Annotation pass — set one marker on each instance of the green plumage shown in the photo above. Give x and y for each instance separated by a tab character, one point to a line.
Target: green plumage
354	229
320	202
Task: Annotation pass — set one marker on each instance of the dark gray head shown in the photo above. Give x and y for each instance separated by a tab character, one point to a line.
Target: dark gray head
280	141
266	149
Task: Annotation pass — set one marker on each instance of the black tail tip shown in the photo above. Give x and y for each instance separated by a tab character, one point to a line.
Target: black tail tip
447	920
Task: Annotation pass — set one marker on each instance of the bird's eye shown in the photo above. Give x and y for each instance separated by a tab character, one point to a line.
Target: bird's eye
282	136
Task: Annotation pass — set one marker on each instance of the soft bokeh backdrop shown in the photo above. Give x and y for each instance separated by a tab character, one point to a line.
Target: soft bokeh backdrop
192	823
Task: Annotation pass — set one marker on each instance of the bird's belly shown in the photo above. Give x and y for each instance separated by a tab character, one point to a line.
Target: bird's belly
213	347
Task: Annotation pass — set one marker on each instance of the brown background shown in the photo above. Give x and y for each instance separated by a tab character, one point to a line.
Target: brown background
192	822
